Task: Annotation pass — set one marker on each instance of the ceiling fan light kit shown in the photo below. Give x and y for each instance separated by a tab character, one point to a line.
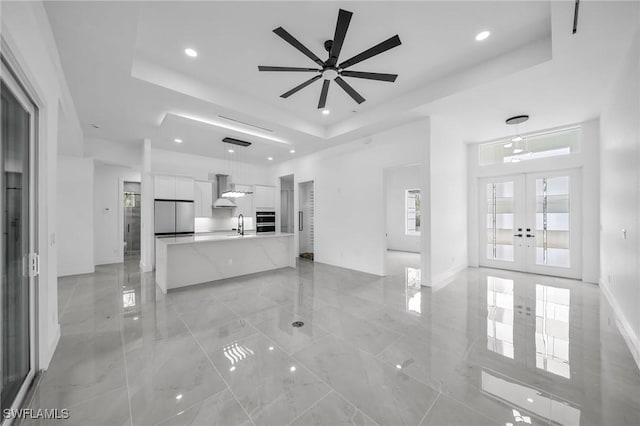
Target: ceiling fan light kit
330	70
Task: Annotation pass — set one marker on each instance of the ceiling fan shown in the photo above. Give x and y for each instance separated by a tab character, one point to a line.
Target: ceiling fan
331	69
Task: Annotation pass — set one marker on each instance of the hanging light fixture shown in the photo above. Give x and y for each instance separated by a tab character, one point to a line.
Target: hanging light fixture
235	154
516	140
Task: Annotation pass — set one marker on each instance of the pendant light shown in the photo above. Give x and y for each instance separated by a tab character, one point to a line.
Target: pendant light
234	156
517	140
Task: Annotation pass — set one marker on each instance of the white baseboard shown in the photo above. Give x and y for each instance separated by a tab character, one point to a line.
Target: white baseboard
441	280
53	344
629	335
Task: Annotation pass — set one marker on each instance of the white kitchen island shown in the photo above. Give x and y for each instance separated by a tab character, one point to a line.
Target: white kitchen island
189	260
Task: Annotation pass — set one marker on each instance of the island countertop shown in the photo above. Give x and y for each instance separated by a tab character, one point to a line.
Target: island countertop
220	236
187	260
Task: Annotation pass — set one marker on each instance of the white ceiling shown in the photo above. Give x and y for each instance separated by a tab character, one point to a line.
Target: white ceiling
126	69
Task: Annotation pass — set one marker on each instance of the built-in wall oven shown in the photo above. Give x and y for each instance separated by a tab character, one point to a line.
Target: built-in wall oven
265	221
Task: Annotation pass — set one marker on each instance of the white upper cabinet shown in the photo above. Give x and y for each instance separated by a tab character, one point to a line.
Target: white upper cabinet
203	199
164	187
185	188
264	197
244	204
173	188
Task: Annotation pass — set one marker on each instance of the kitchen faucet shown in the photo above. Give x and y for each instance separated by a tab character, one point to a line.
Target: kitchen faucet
241	224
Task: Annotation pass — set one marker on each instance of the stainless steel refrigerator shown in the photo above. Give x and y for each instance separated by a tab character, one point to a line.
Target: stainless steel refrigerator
174	217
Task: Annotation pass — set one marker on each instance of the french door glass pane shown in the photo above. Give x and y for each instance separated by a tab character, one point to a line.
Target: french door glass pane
552	221
15	246
499	219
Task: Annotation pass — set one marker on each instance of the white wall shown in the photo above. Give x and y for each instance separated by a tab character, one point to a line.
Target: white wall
620	196
349	200
115	153
29	46
109	211
75	215
448	183
199	167
397	181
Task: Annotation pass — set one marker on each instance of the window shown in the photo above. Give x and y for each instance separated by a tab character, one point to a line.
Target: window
412	211
532	147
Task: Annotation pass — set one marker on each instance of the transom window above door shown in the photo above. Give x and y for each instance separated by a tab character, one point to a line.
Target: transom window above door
532	147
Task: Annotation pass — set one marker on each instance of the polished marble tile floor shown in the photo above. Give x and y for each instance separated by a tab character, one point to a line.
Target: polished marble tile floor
490	348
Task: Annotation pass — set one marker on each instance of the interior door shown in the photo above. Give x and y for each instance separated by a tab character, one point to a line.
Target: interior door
18	262
531	223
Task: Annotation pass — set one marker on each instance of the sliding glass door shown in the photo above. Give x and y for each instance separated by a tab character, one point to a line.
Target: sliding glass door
531	222
17	265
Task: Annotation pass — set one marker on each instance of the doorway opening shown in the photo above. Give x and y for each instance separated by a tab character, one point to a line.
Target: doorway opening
286	204
131	203
306	205
531	223
403	224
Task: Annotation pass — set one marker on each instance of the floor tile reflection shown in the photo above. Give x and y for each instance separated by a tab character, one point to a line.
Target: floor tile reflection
490	347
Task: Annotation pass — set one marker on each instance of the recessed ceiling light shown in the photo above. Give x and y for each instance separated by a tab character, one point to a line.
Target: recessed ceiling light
529	399
270	158
518	150
190	52
293	368
398	366
508	145
517	139
326	112
483	35
179	397
95	126
230	151
293	151
177	140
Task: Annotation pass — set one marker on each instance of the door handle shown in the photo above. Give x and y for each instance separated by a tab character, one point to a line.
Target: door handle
300	226
517	235
530	236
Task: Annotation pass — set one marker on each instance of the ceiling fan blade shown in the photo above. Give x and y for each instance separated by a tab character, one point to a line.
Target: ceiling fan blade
350	90
344	17
270	68
370	75
295	43
389	43
323	95
300	86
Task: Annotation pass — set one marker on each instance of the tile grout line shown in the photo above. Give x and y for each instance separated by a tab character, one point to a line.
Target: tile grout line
400	336
124	356
430	408
301	363
310	408
212	364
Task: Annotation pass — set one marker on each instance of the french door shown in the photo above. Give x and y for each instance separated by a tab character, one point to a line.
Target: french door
531	223
18	263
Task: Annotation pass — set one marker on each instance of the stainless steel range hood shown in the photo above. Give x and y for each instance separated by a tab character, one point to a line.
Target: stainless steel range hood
222	185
